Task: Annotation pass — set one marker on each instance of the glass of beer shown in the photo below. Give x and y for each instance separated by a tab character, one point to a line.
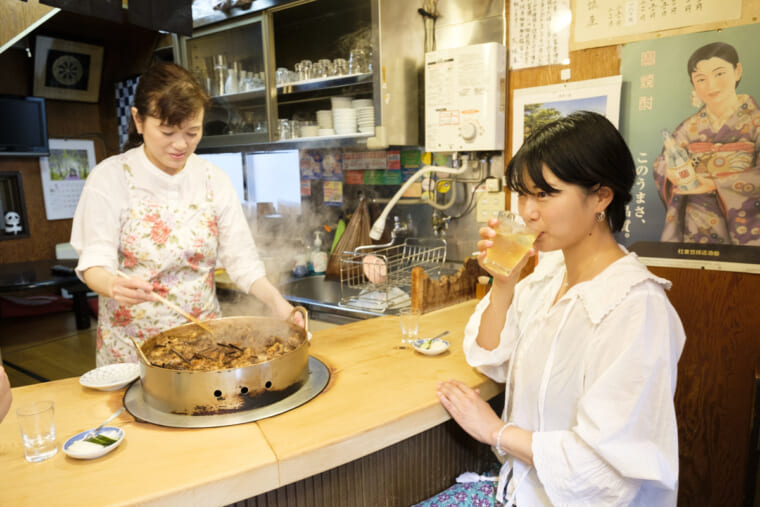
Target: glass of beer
512	241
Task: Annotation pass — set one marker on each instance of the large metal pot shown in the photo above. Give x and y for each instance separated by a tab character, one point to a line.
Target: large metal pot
192	392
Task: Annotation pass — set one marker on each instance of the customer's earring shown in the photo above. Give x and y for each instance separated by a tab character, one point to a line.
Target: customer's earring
601	216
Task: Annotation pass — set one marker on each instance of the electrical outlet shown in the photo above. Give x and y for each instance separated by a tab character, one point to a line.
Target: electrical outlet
489	204
493	184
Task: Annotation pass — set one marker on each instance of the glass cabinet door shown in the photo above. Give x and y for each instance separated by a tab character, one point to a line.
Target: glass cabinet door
230	62
323	63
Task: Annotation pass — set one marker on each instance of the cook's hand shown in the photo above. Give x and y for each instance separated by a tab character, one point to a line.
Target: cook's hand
285	311
470	411
5	393
131	290
487	234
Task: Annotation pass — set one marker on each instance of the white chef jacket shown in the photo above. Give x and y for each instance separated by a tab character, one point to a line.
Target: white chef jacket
593	377
105	201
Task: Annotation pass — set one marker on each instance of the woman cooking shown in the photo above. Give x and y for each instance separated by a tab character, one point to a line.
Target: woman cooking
587	345
165	218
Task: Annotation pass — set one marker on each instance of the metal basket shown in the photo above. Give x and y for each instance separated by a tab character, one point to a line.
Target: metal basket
379	278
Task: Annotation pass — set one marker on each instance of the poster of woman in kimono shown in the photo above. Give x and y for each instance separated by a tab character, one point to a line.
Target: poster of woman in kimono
693	126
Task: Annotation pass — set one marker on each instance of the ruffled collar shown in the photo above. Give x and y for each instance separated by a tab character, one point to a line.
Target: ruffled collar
605	291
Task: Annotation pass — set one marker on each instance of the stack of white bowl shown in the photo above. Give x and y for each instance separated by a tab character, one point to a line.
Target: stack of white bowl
344	120
325	123
365	115
343	116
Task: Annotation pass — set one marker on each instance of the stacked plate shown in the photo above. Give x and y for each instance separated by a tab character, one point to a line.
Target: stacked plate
325	119
365	118
357	103
344	121
340	102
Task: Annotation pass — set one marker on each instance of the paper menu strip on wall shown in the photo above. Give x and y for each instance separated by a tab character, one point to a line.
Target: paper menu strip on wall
539	32
610	19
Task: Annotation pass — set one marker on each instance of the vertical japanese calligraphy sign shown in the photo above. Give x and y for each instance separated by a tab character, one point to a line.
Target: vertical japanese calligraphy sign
657	95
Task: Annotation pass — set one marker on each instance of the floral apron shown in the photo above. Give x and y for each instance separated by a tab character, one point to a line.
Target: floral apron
173	246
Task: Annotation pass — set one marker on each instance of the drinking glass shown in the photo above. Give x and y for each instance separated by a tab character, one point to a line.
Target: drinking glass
512	241
409	319
340	67
36	421
357	61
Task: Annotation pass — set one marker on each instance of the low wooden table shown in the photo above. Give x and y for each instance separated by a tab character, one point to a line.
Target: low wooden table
22	276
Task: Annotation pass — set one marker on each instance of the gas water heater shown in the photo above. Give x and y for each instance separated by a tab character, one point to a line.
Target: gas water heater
465	98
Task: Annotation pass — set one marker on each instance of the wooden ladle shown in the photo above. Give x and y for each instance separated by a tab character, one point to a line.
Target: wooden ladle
175	307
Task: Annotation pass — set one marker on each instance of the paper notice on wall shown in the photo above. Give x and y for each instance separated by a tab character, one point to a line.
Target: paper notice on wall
539	32
63	175
610	19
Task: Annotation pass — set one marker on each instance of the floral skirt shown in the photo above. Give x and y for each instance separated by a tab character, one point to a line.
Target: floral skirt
468	494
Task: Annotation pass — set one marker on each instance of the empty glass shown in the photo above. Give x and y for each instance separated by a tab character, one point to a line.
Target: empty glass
409	319
340	67
358	62
304	70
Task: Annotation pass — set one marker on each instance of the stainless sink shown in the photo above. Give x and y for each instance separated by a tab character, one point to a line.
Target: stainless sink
321	297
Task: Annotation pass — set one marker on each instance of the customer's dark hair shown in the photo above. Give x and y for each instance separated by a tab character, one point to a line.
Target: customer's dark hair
168	92
583	149
720	50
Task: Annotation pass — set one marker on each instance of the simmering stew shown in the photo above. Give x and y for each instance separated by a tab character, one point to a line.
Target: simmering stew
235	347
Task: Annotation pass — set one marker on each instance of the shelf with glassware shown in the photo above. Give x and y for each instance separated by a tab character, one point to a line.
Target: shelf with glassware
309	112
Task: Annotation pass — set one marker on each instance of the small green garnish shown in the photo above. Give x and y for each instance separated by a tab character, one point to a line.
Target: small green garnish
426	344
101	440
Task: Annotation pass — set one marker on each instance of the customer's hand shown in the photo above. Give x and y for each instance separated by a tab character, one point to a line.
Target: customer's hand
469	410
487	233
5	393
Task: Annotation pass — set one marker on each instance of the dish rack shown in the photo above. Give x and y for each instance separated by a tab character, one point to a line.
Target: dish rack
379	278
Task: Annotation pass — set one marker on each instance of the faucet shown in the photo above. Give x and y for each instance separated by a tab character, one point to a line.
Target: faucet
440	223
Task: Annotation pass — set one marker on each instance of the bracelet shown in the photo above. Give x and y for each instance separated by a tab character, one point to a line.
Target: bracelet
498	439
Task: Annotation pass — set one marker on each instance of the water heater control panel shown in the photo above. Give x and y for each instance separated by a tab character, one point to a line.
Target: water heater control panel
465	98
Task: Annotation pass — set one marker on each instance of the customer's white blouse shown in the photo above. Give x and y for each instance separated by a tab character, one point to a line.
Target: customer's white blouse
593	377
105	201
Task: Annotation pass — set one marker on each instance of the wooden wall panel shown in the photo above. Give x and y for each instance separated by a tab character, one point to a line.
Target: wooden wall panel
715	378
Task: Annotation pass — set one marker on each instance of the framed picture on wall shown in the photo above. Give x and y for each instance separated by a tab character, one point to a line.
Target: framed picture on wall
63	175
534	107
67	70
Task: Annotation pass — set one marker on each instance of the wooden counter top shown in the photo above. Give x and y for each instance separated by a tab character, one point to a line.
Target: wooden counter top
379	393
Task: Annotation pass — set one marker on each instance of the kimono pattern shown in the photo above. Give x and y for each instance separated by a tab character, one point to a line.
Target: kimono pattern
730	215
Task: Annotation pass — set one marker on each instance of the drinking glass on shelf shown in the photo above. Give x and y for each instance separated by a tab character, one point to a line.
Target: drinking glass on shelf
283	129
512	241
326	67
282	75
340	67
304	74
357	61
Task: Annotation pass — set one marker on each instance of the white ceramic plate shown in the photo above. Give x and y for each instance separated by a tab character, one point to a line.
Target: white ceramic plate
111	376
97	452
437	346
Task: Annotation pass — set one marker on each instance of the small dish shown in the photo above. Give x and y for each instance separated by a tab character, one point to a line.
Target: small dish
96	452
437	346
111	376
